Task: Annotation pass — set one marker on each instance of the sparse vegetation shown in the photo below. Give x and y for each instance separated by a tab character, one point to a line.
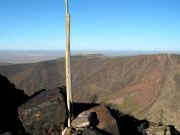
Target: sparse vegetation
95	98
143	80
128	106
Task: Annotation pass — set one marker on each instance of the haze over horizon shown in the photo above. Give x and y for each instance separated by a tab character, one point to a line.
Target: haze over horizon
95	25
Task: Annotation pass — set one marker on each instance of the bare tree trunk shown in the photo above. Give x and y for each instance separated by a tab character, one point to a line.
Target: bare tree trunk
68	65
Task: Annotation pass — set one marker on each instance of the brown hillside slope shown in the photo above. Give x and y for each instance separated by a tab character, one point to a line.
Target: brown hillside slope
146	86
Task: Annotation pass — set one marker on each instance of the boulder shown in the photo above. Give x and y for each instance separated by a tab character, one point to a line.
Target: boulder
95	121
83	120
106	122
45	113
67	131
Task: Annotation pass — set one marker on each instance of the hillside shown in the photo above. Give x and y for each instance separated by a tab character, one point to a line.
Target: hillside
145	86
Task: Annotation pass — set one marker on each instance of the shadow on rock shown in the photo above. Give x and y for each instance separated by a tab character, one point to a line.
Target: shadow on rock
80	107
173	130
10	99
128	124
45	113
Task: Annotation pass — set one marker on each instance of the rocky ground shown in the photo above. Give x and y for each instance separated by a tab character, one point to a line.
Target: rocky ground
45	113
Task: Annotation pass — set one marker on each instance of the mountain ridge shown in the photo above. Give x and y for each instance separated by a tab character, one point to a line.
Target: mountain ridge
146	86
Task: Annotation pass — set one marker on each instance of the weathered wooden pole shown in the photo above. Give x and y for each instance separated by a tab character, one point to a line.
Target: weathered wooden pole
68	65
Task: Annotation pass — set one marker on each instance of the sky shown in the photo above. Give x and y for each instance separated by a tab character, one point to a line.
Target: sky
150	25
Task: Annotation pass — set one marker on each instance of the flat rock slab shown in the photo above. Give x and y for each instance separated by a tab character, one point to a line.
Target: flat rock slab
45	114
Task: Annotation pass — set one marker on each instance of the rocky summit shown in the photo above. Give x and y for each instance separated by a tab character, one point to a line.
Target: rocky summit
45	113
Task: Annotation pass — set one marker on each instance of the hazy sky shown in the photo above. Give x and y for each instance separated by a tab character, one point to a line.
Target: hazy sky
95	24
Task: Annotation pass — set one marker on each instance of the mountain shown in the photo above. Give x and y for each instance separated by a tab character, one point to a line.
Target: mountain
3	63
45	112
146	86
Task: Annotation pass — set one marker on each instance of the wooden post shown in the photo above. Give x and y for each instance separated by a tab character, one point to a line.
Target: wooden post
68	65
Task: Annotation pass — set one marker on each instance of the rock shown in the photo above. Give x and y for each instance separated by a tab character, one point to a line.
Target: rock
99	119
66	131
88	131
84	119
85	131
44	114
10	99
106	122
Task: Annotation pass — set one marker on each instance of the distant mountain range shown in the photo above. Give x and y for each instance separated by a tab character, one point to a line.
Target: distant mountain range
3	63
146	86
31	56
